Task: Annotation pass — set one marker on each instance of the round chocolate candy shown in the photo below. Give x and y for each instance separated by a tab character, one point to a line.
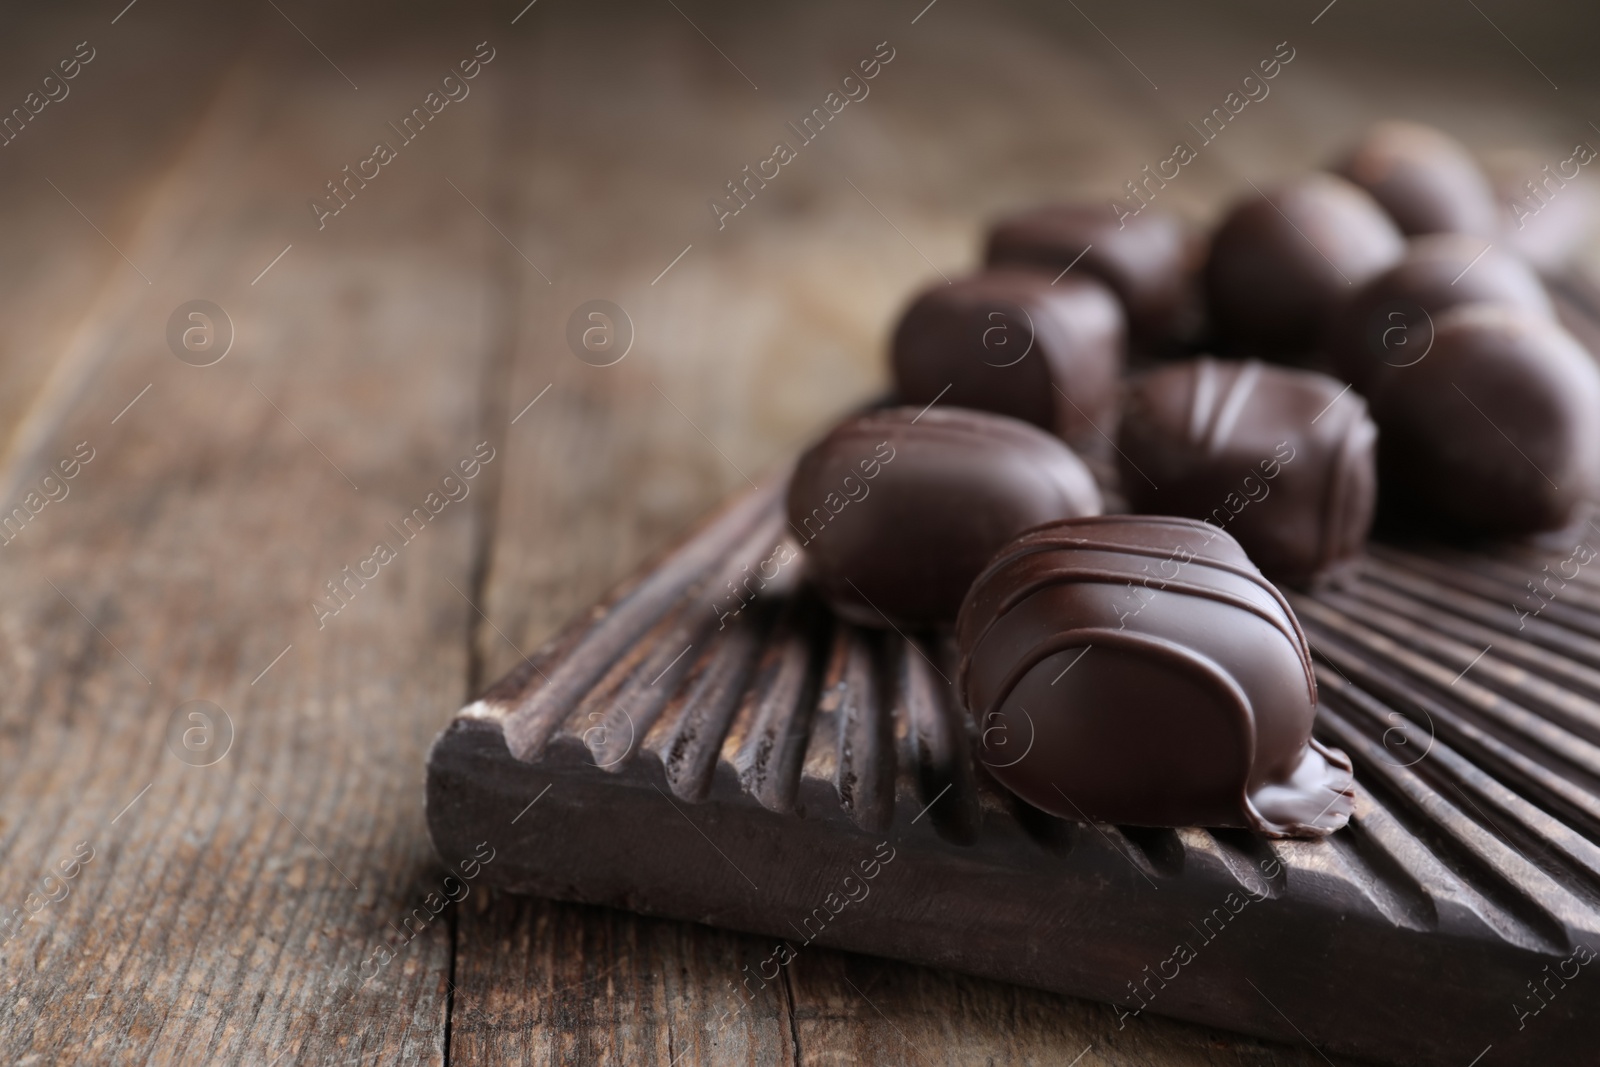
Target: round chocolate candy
1010	341
1425	179
1283	262
1139	670
1389	323
1496	431
1284	460
898	509
1151	261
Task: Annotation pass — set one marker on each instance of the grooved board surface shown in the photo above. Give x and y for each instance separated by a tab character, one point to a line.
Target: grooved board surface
769	774
231	911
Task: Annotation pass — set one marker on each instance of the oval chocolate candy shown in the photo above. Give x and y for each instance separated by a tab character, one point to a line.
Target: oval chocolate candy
1139	670
898	510
1282	459
1389	323
1011	342
1285	260
1496	430
1425	179
1151	261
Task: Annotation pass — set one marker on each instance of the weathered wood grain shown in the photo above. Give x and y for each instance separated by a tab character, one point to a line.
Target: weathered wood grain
59	277
853	1009
227	911
542	982
207	927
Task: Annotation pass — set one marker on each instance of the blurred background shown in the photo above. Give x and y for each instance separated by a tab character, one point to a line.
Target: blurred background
346	361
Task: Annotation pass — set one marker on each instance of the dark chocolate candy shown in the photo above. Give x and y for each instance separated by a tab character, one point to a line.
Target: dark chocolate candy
1140	670
1151	261
1277	457
1010	342
1425	179
899	509
1496	430
1389	323
1284	262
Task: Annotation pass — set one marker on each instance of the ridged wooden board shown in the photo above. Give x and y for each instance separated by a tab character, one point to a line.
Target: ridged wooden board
735	769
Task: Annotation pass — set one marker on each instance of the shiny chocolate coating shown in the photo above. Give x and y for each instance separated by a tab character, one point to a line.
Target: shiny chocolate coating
1425	179
1496	430
1139	670
1151	261
1284	262
1283	460
1389	323
1011	342
898	510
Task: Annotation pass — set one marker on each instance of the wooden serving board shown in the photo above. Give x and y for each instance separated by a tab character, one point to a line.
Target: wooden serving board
785	773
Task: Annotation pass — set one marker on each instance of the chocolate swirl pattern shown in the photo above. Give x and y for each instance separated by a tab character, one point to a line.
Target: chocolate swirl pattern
1281	459
1142	671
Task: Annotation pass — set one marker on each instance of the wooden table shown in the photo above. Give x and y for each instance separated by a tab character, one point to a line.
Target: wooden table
245	864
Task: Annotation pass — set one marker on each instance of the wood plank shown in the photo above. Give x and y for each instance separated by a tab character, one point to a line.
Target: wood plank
228	910
541	982
62	251
855	1009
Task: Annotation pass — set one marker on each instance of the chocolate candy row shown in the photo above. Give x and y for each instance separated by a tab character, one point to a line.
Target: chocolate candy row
1384	343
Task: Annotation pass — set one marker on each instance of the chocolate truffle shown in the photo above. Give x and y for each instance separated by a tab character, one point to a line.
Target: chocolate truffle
1388	325
1283	262
898	509
1277	457
1010	341
1497	430
1150	260
1425	179
1139	670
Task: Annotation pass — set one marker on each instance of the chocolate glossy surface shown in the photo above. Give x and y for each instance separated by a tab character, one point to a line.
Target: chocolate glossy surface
1389	324
1425	179
1140	670
1010	342
1283	262
1496	430
898	510
1151	261
1283	460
